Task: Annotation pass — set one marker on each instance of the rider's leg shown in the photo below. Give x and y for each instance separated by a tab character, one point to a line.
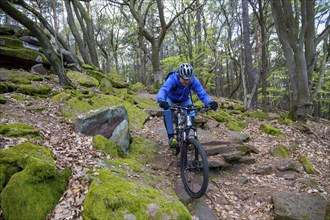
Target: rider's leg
168	121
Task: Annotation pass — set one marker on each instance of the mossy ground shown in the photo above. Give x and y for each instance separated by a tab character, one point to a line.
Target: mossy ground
269	129
19	130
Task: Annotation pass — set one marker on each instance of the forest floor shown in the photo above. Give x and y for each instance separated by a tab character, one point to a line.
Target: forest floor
238	191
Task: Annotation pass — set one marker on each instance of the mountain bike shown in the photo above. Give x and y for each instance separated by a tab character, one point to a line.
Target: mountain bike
193	161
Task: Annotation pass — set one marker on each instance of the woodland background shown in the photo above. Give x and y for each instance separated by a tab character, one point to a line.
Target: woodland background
267	53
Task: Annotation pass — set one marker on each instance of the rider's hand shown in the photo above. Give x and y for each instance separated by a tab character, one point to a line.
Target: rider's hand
214	105
164	105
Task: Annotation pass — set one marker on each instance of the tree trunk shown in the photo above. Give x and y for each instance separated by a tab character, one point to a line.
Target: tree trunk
252	76
88	31
293	43
45	44
75	33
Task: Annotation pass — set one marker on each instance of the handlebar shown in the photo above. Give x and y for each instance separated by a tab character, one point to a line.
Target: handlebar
190	108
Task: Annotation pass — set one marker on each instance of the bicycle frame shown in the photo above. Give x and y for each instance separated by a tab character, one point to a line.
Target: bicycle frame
182	128
193	161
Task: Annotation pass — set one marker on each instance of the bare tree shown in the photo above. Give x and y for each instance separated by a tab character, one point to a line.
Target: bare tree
140	15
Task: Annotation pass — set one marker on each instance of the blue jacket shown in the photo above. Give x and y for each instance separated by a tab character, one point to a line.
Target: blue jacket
173	89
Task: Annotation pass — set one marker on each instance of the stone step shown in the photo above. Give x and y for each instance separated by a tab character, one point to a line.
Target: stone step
233	156
222	149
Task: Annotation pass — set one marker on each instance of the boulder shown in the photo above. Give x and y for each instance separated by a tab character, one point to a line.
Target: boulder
112	123
291	205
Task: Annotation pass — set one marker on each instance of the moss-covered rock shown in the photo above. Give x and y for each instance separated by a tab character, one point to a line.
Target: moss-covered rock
18	80
32	186
3	88
12	75
281	151
19	130
112	196
144	103
82	79
308	166
61	97
104	144
3	100
10	42
106	86
25	54
76	106
138	87
269	129
34	90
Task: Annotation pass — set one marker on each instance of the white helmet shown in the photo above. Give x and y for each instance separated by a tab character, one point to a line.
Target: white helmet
186	71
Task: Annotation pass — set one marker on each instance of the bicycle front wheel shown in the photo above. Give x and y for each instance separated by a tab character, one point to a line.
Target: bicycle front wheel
194	168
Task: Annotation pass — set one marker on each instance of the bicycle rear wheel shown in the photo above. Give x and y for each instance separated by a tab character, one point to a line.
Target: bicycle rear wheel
194	168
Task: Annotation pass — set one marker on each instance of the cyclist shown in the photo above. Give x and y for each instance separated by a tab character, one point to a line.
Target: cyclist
176	89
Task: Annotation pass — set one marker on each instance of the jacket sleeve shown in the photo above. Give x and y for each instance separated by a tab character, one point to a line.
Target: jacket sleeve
164	90
200	91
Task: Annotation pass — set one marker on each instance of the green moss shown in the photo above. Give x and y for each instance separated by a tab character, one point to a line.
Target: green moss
258	115
285	121
138	87
281	151
18	80
106	87
3	88
10	42
247	149
19	97
268	129
35	89
19	130
104	144
141	150
24	54
111	196
220	116
82	79
308	167
3	100
61	97
235	126
144	103
13	74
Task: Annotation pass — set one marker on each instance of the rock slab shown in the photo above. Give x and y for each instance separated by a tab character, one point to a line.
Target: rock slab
290	205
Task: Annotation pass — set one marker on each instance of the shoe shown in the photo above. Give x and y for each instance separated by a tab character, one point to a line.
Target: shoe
173	143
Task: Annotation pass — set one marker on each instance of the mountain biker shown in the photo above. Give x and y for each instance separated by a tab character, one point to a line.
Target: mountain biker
176	89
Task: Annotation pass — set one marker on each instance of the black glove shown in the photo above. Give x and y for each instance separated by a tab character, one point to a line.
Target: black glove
164	105
214	105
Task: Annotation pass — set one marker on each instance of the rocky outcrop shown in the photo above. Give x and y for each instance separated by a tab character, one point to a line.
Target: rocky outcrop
20	49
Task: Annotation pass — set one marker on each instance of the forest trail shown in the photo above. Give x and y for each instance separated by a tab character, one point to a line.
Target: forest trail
239	190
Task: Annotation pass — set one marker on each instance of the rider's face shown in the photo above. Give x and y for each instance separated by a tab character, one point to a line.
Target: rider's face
184	82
